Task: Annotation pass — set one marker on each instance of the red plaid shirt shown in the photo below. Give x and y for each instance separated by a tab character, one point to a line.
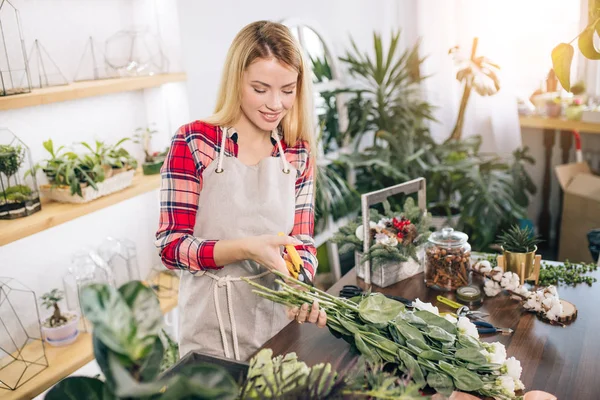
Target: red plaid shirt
193	147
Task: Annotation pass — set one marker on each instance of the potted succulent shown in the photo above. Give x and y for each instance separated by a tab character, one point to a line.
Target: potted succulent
396	242
16	199
519	246
59	329
153	161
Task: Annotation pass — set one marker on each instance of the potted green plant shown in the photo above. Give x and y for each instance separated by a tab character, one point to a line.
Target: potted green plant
396	242
519	246
80	178
16	199
59	329
153	161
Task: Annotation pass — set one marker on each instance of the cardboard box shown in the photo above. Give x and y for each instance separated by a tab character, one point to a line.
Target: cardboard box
581	210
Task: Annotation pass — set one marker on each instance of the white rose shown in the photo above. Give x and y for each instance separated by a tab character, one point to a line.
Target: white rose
418	304
506	384
382	238
360	233
497	353
382	223
512	367
519	385
466	327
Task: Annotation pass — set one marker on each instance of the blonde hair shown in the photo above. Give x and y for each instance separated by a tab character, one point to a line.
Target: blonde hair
264	40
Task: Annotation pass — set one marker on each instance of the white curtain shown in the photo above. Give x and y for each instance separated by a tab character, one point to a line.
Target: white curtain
517	35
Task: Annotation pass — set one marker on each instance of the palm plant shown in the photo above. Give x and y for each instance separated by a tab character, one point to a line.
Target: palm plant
390	82
476	72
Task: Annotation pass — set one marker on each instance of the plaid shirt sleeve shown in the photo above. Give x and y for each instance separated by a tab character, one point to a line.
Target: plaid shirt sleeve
181	182
304	219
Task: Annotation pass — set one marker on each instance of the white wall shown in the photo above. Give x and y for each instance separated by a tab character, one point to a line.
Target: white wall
62	26
207	32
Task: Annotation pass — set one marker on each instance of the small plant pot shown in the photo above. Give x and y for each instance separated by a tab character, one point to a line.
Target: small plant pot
521	264
64	334
152	168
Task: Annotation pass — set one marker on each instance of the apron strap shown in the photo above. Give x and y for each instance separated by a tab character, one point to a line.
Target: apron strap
226	281
284	164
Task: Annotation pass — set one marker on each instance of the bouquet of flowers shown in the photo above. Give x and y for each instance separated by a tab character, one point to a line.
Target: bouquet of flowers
394	236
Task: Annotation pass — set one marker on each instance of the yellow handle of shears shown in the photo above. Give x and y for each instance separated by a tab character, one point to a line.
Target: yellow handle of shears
296	262
448	302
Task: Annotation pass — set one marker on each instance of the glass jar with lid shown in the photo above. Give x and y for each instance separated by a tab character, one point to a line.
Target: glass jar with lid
447	260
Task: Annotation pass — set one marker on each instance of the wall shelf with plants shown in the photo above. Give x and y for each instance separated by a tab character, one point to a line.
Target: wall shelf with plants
80	183
80	90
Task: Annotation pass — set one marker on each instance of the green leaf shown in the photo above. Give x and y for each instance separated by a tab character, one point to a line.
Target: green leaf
417	346
471	355
586	42
432	355
468	341
365	350
441	335
77	387
412	368
378	309
440	382
408	331
562	55
396	335
145	307
435	320
151	364
466	380
447	367
113	321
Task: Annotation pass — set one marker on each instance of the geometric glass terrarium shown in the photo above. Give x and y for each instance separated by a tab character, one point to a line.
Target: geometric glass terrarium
22	352
87	268
121	257
135	52
19	194
14	70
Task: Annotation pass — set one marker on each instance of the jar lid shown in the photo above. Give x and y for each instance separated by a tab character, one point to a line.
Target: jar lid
448	237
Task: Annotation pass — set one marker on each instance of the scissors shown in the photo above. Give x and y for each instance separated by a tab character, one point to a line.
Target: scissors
296	266
349	291
486	327
461	310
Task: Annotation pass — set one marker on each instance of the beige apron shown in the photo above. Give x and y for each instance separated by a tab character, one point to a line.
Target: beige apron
219	314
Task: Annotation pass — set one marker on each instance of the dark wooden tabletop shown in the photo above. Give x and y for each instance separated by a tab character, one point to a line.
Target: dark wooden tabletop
564	361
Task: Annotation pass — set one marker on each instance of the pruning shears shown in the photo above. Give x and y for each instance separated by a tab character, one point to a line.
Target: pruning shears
461	310
349	291
296	265
486	327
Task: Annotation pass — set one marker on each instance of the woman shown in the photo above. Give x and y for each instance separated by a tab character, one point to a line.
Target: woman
229	185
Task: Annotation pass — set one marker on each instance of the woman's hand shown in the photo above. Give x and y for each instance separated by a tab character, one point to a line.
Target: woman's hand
303	314
266	250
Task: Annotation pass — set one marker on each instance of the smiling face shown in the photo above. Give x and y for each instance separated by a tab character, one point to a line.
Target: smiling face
268	92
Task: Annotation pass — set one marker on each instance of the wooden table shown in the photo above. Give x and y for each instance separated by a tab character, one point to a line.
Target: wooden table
563	361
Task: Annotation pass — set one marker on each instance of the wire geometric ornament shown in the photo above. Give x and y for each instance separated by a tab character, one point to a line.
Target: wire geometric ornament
135	52
13	58
22	351
92	65
43	68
